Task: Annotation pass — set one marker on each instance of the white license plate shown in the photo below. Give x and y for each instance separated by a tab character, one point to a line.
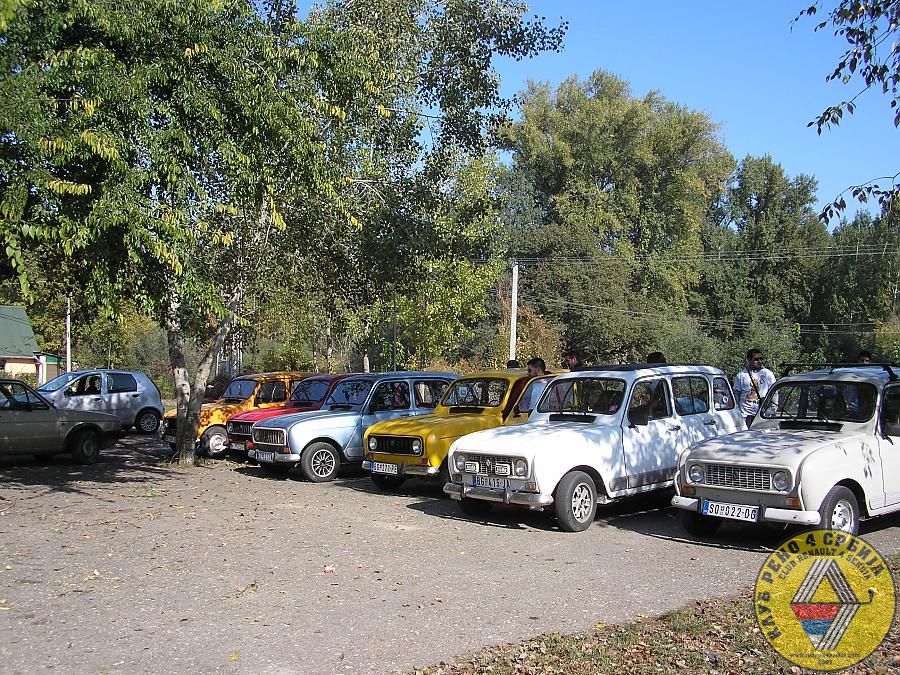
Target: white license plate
169	439
382	467
236	445
489	482
732	511
265	457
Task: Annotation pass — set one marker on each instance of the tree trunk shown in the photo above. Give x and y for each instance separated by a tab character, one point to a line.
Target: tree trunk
329	349
190	398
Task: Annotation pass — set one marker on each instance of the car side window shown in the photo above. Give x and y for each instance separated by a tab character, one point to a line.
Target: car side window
86	385
723	398
391	396
691	395
117	383
649	401
272	392
16	396
429	392
890	411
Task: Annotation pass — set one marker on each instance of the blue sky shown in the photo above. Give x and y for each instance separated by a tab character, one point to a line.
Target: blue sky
757	76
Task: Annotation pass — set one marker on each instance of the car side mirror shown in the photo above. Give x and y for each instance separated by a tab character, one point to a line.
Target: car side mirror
68	392
638	420
257	400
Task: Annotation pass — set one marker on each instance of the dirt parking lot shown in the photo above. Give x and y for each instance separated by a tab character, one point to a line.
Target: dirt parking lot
132	565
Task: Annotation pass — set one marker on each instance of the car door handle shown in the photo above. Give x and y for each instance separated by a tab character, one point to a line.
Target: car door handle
135	395
675	427
97	398
406	415
710	423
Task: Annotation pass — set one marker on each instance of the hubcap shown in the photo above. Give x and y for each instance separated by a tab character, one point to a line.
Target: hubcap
148	422
89	447
581	502
217	443
323	463
842	516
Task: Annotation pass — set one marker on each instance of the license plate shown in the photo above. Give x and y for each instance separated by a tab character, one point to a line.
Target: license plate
732	511
382	467
236	445
169	439
489	482
265	457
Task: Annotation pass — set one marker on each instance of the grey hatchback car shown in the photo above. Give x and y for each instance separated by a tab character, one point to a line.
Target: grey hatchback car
129	395
30	425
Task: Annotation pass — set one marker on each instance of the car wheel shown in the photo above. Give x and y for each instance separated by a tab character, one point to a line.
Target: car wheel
839	511
474	507
214	442
147	421
320	462
698	525
86	447
275	470
575	502
387	482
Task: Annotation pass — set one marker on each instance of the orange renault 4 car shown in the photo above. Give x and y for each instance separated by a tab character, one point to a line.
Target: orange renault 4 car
247	392
418	446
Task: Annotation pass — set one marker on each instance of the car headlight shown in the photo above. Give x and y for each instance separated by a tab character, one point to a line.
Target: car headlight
373	443
460	462
416	446
521	468
696	473
781	481
229	428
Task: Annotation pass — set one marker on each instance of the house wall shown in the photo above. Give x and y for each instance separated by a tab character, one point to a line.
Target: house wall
17	367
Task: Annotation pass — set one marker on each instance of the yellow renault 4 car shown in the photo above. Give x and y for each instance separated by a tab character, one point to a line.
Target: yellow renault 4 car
418	446
247	392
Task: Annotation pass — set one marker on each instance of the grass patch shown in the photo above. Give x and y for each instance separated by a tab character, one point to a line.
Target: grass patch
717	637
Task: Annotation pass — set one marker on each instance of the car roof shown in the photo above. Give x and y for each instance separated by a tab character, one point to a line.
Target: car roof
505	374
402	374
635	370
276	375
873	374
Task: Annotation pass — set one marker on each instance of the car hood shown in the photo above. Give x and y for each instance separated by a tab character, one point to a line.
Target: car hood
331	418
771	446
207	409
266	413
526	440
440	425
75	416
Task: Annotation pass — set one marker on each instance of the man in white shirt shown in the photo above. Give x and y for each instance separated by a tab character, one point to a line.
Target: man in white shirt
752	384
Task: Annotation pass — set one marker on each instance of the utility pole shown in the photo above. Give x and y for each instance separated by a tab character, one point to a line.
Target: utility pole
394	344
68	332
513	310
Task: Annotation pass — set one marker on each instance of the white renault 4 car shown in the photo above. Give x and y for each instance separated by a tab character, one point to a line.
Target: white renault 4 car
595	436
824	452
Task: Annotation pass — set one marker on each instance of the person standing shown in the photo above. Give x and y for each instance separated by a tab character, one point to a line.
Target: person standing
536	367
572	359
752	384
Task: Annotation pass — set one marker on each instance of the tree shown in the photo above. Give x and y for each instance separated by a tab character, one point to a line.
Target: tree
871	60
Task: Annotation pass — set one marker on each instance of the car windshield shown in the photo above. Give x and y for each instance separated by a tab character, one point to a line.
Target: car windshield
239	390
584	395
310	391
58	382
832	401
350	393
481	392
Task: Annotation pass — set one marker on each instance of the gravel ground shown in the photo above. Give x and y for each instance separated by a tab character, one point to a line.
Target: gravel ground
132	565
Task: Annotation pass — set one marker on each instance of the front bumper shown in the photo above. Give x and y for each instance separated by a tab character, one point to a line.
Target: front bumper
408	469
279	457
506	496
768	514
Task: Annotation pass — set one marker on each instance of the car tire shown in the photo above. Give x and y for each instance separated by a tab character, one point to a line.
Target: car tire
214	442
86	447
839	511
575	502
275	470
698	525
387	482
146	422
444	473
474	507
320	462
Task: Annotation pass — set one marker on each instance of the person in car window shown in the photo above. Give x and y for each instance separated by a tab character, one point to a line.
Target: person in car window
752	384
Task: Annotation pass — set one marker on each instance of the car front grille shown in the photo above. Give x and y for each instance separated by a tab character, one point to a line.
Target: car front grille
239	429
269	436
396	445
741	477
488	465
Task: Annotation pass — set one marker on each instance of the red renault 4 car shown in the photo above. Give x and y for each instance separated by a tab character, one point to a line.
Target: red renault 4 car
308	395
